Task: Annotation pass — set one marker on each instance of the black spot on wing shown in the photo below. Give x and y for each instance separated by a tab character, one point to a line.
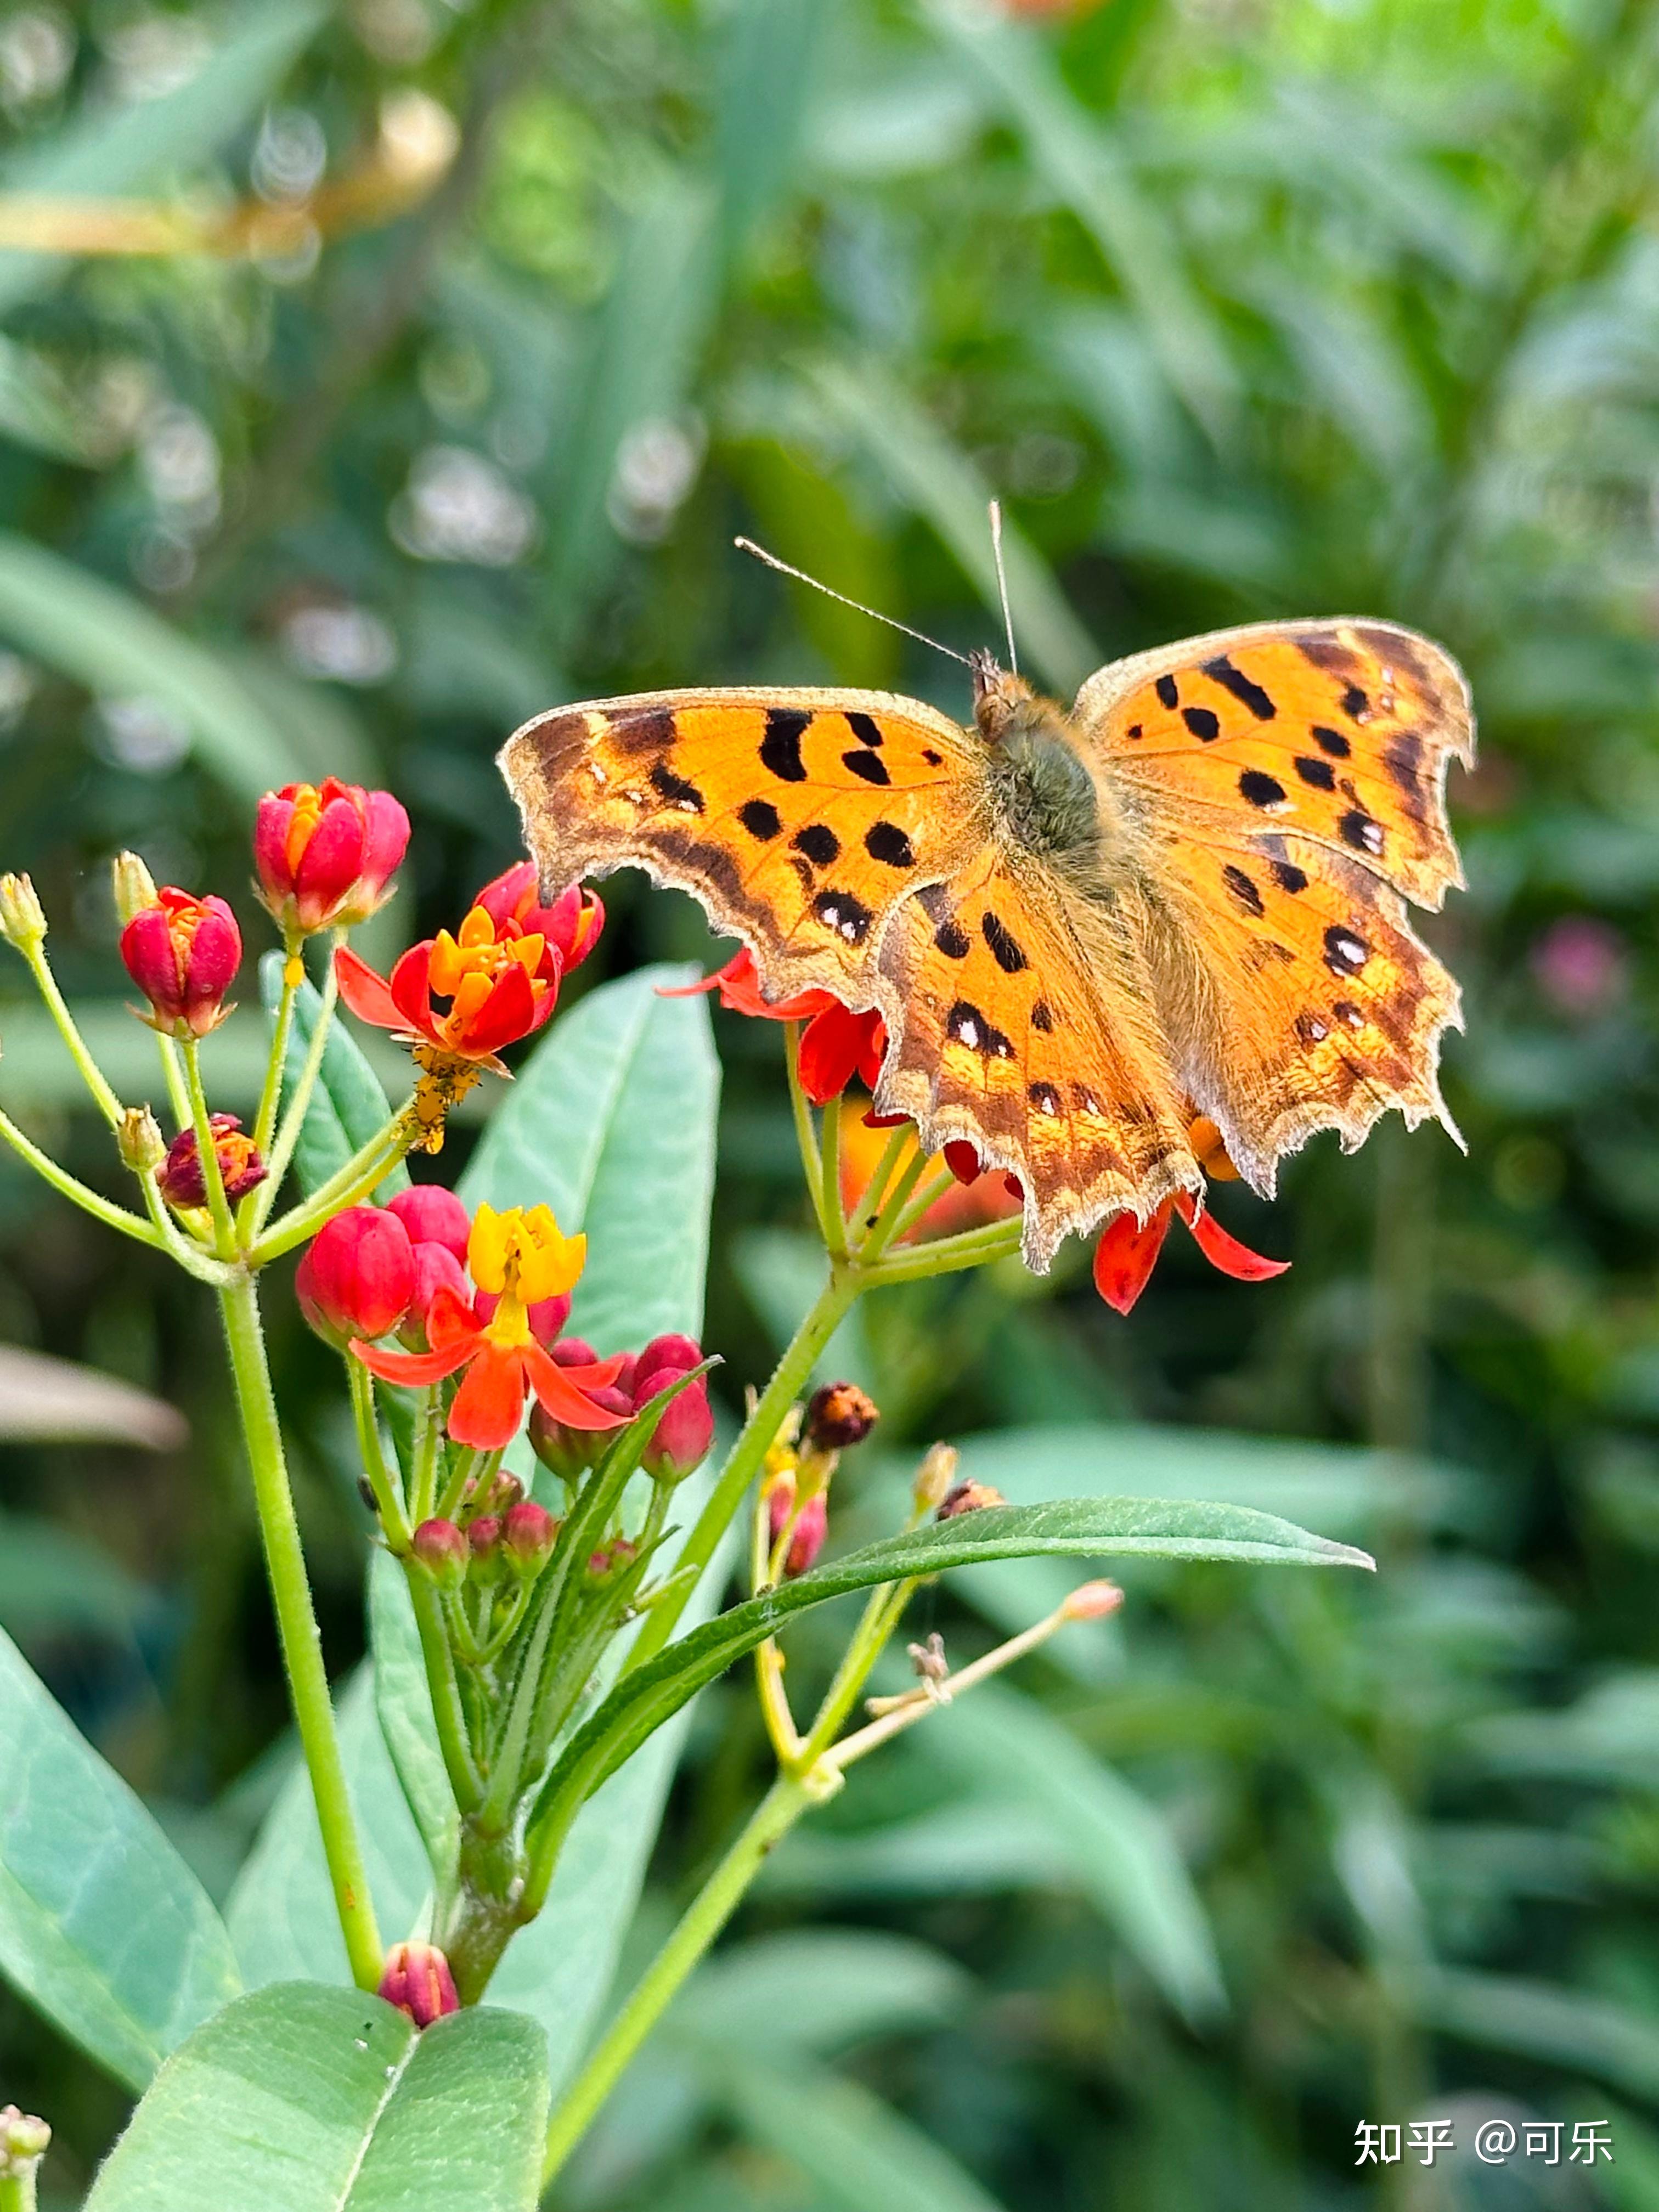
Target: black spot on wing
864	729
1345	953
1331	741
966	1025
1168	694
1243	888
780	750
1259	788
1361	831
1244	688
1046	1098
1042	1016
1318	773
952	941
848	917
760	818
1204	725
932	759
1355	705
818	842
675	789
887	842
1288	876
868	765
1311	1030
1005	949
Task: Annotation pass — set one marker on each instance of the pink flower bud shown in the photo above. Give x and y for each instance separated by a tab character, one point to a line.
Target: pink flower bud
242	1166
183	953
357	1276
810	1529
432	1215
569	1453
529	1533
435	1268
442	1550
681	1439
417	1980
326	855
483	1536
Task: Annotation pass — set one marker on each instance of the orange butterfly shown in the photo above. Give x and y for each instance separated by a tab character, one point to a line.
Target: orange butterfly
1187	895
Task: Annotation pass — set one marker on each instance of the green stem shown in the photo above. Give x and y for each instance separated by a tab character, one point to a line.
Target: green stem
296	1624
714	1906
101	1209
826	1315
445	1692
294	1120
173	1075
882	1612
429	1443
91	1074
829	1206
806	1136
224	1230
188	1253
998	1240
363	1173
883	1228
17	2190
868	1209
921	1205
381	1479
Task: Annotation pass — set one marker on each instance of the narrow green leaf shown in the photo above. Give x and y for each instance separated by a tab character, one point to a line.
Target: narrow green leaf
1585	2033
1089	1528
104	638
105	152
818	1989
771	46
300	2099
103	1928
858	2150
941	483
1115	1844
53	1582
350	1102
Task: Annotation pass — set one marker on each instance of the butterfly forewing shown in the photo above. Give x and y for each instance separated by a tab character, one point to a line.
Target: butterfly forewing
798	818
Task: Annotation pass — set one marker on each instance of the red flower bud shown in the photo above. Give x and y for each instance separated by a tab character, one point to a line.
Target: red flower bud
241	1166
417	1980
442	1550
569	1453
435	1268
325	856
681	1439
612	1557
838	1415
183	953
432	1215
529	1533
357	1276
810	1529
484	1536
571	924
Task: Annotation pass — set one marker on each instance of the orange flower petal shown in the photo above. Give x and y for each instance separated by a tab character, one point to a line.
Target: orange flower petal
1126	1255
1225	1252
489	1404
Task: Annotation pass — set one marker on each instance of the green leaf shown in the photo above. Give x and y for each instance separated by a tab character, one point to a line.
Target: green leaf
611	1123
299	2098
104	152
942	483
104	638
103	1928
1115	1846
771	49
349	1104
1088	1528
858	2150
818	1989
404	1703
1585	2033
53	1582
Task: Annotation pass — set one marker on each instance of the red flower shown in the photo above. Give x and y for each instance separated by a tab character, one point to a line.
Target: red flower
1129	1250
680	1441
432	1215
501	987
183	953
436	1268
417	1980
357	1276
326	855
837	1045
242	1166
571	924
520	1257
811	1526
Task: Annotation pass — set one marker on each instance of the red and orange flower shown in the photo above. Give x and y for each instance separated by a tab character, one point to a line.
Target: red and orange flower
836	1045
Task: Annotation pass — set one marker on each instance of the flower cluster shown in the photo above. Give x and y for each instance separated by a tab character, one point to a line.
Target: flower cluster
485	1297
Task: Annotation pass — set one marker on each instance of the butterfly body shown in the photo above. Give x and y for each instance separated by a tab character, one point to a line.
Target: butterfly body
1184	896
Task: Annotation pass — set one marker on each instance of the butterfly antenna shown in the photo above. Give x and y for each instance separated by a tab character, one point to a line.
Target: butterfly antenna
1002	583
748	545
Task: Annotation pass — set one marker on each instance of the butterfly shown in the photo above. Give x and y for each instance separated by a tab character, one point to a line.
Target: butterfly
1185	897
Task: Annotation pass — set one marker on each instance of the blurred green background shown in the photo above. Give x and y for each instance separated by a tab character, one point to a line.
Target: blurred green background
1245	308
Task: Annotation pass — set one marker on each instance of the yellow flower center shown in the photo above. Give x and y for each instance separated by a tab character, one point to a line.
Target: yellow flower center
522	1255
466	967
307	813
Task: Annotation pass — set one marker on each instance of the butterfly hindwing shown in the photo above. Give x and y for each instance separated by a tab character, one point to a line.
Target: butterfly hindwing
798	818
